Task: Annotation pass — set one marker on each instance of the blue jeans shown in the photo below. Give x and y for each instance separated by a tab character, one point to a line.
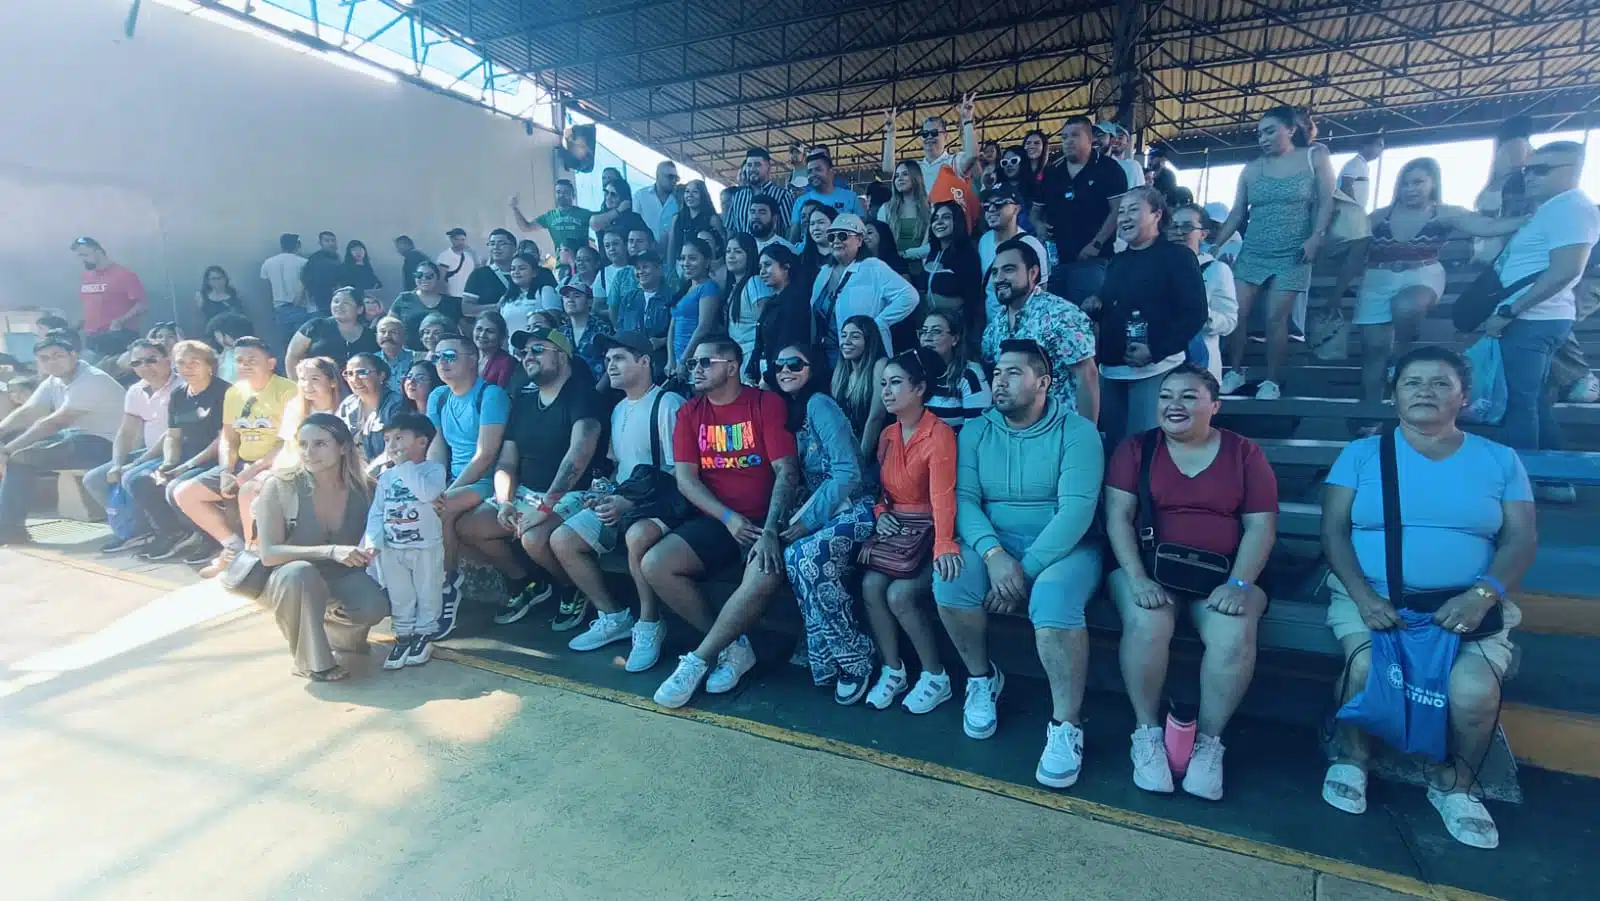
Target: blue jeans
1077	280
1528	346
95	484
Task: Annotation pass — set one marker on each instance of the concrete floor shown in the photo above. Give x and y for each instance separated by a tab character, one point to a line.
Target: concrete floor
135	764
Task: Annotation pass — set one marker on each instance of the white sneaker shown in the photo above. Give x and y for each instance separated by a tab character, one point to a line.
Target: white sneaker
606	628
930	691
1233	380
1269	390
735	660
890	685
1062	759
1151	771
647	640
848	691
1204	777
680	686
1585	391
978	717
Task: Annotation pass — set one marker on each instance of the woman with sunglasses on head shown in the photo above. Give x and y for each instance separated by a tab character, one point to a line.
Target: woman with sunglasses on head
785	317
917	468
857	380
419	381
357	271
697	311
369	405
412	307
495	364
336	336
822	538
217	295
962	392
746	293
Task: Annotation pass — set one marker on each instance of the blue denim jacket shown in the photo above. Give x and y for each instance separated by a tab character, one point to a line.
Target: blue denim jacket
828	460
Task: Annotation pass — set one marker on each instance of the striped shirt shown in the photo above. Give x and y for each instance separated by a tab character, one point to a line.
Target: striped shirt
736	218
968	399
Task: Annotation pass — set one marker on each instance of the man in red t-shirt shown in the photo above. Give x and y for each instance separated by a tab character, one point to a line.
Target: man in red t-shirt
736	464
113	300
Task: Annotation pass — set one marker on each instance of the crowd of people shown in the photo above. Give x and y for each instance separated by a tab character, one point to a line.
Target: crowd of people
905	397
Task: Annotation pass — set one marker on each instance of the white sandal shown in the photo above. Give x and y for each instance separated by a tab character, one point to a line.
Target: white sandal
1349	778
1466	819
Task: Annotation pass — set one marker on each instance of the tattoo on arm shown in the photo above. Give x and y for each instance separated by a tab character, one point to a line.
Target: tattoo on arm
782	492
585	436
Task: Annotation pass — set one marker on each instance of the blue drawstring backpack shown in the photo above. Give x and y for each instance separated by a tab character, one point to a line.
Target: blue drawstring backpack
1489	398
122	515
1405	703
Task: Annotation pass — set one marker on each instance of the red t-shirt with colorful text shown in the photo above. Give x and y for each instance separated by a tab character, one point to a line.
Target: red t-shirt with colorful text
734	445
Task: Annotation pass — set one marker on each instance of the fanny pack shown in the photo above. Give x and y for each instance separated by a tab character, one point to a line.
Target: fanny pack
1176	566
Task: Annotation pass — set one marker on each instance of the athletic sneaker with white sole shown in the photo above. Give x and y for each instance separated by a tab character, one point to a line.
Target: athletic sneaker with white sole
396	658
1233	380
420	652
978	717
606	628
847	691
681	685
930	691
735	660
1062	759
647	641
1151	771
1268	390
1585	391
1203	779
450	606
891	684
527	599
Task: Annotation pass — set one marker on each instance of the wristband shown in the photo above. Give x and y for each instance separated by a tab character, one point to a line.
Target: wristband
545	508
1498	586
991	552
727	515
1236	581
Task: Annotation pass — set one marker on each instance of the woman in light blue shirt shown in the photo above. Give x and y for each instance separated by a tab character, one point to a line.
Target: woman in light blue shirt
1467	517
698	311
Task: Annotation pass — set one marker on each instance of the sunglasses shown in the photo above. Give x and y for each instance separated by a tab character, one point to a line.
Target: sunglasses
791	364
704	362
1544	168
934	332
998	204
357	373
415	377
145	361
422	273
446	356
927	135
841	237
533	350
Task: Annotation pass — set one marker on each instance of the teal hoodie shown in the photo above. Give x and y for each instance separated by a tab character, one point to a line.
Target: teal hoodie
1043	480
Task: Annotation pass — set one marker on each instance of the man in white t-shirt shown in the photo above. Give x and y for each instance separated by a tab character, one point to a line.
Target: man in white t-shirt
1355	176
646	412
457	262
137	447
282	271
934	155
1002	206
1532	323
67	423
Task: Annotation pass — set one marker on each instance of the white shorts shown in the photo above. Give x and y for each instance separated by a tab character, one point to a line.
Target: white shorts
1375	303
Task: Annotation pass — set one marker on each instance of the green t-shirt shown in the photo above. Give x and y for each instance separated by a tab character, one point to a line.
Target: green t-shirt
570	224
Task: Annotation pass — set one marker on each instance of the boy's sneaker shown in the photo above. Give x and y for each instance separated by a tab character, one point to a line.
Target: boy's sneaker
131	543
607	628
930	691
735	660
978	718
1151	771
397	654
449	607
891	684
570	612
530	597
420	651
681	685
647	641
1062	759
1204	776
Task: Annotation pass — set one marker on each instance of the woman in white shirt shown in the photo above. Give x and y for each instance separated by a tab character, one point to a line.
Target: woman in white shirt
853	286
1188	227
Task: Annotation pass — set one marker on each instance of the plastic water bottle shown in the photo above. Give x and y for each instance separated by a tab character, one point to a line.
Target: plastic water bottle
1052	253
1138	329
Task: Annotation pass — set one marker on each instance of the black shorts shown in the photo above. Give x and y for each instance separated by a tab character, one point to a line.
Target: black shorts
711	542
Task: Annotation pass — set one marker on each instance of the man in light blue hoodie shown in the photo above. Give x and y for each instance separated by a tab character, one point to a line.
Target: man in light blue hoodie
1028	478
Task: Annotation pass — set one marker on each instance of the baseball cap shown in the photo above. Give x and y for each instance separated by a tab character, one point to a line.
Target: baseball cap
848	222
1216	211
576	284
649	256
522	338
1109	128
1005	193
86	241
454	232
633	340
65	339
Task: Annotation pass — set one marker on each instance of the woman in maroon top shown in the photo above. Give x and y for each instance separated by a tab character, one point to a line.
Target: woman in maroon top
495	365
1211	490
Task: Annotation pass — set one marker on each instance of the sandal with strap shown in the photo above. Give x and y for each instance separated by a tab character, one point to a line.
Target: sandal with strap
1344	787
333	673
1466	819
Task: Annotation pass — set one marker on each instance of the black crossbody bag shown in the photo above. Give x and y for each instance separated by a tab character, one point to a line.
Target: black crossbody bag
653	491
1420	601
1179	567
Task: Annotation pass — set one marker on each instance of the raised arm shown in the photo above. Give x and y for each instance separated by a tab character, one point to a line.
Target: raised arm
969	139
1477	225
888	142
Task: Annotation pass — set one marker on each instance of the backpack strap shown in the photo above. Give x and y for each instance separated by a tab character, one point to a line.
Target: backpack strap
656	456
1390	477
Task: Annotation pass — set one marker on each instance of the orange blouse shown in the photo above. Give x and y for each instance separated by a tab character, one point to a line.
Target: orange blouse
921	475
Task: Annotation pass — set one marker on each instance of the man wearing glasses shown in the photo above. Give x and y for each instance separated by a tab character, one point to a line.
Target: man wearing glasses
934	155
658	203
67	423
487	285
136	448
1002	210
1553	249
550	440
852	286
736	466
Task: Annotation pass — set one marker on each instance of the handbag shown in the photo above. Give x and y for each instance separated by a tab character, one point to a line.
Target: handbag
1427	602
903	554
1179	567
1478	302
245	575
654	492
1405	702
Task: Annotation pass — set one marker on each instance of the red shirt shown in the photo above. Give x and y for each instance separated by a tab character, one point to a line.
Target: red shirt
734	445
1203	511
108	294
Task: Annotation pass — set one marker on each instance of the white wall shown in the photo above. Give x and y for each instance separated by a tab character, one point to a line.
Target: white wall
194	144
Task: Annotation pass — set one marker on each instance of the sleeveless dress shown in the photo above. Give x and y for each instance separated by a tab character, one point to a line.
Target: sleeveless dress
1280	223
1394	266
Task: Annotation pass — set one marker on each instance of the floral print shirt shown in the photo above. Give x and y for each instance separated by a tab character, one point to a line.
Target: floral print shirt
1063	330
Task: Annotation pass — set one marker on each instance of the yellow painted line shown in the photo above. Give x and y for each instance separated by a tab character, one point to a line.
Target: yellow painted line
1554	739
1153	825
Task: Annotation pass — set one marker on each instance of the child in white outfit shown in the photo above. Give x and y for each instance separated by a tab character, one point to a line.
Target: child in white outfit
405	531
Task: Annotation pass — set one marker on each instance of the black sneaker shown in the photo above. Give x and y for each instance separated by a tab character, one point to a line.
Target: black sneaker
530	597
397	654
131	543
202	552
172	546
447	612
570	614
420	651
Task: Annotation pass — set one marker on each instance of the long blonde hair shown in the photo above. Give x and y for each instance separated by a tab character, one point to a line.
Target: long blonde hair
916	208
352	471
855	380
